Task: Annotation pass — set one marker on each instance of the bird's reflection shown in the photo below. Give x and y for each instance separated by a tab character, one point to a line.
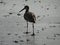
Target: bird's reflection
30	40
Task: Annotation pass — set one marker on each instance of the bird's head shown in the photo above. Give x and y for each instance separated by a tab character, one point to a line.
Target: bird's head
25	7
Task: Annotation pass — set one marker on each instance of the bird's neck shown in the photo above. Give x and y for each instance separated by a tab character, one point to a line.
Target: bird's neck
27	10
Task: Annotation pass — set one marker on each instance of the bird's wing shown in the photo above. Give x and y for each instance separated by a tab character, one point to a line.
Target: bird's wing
34	16
31	16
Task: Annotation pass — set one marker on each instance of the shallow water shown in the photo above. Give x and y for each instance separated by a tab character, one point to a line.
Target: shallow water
13	26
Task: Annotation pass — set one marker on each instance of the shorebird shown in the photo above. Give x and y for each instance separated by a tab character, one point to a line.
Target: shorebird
29	17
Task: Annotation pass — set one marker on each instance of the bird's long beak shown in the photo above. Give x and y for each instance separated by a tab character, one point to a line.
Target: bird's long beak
22	10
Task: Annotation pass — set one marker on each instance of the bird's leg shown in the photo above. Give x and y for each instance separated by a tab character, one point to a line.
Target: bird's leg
27	28
33	30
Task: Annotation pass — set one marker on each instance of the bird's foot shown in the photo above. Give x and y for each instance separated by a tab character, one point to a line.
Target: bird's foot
33	34
26	32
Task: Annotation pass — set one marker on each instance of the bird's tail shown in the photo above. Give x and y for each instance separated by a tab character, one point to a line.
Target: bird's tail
33	21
